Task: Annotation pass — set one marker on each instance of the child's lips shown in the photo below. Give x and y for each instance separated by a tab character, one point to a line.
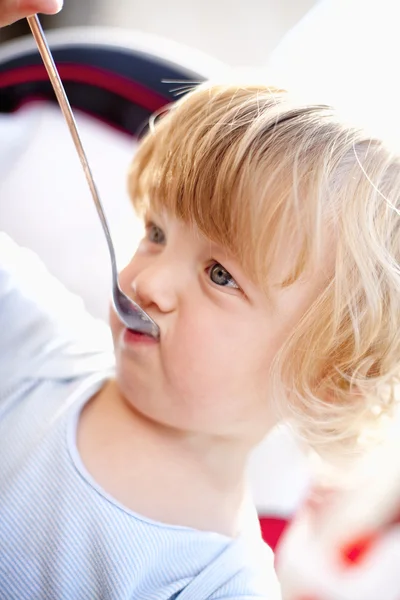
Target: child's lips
135	337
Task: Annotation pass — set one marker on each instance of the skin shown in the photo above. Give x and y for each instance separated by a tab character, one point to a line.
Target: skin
13	10
185	413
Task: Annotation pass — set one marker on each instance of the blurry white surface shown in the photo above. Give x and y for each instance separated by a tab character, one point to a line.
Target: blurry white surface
351	536
46	205
236	32
280	474
345	53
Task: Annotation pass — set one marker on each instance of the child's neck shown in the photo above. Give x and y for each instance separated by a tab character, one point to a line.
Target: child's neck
181	479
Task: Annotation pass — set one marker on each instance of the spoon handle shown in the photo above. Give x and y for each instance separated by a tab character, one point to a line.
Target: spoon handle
59	90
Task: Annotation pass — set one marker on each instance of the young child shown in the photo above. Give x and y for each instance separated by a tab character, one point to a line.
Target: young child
270	264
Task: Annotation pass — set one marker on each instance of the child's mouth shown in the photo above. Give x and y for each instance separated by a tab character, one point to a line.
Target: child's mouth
134	337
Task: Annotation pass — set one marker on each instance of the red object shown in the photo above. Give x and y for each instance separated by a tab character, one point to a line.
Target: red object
131	90
355	551
272	529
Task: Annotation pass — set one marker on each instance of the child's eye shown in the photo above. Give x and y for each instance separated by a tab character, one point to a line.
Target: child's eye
220	276
154	234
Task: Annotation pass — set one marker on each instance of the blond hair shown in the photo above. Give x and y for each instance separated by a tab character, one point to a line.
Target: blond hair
262	175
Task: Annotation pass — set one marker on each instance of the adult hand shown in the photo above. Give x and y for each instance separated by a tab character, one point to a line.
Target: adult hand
12	10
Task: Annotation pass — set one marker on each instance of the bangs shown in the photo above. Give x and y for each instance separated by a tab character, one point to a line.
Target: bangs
226	160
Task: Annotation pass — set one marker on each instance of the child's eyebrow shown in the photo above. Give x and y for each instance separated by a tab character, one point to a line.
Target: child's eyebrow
222	251
151	215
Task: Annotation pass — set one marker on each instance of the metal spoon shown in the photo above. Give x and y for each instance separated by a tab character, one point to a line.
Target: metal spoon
130	313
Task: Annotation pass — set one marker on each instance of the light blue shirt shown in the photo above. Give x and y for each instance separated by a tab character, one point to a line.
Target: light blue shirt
61	535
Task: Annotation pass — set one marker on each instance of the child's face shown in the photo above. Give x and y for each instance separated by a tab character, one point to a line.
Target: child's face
209	373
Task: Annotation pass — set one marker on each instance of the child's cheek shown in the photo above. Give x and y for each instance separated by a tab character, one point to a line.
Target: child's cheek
198	355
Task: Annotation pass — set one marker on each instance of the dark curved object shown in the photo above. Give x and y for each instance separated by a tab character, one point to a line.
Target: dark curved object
120	86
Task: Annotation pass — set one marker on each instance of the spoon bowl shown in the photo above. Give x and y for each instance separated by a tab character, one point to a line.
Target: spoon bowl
131	317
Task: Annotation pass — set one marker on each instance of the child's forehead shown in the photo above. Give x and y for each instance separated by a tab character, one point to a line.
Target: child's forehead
167	218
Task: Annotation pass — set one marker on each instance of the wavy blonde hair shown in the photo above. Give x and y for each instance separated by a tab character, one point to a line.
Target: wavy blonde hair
260	173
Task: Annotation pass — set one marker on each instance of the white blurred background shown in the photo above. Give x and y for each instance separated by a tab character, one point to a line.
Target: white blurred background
238	32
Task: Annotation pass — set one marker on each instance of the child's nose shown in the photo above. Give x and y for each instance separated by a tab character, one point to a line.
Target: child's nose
155	286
